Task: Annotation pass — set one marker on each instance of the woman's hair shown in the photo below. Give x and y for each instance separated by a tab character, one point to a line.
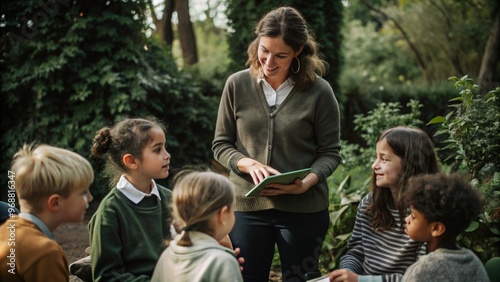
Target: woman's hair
449	199
197	196
416	151
288	23
128	136
44	170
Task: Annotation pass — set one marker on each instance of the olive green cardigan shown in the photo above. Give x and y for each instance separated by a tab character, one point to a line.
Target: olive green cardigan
304	131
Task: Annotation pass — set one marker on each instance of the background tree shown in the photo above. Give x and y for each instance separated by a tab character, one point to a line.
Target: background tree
450	41
185	31
163	24
70	68
186	34
488	76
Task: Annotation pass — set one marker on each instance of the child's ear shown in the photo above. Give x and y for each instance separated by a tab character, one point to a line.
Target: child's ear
54	202
221	215
129	161
438	229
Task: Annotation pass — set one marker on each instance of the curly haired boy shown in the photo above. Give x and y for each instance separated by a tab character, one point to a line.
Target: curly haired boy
442	206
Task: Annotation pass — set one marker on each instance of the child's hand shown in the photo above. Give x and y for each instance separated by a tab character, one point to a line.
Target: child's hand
241	260
343	275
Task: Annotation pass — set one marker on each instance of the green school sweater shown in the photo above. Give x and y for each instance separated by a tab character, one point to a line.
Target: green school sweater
127	239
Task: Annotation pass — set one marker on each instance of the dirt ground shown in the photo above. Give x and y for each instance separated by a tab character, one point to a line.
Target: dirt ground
74	239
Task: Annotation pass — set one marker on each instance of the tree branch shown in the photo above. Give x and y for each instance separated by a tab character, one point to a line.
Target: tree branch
418	56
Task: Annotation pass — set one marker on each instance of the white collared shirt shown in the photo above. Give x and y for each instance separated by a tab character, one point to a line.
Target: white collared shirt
276	97
133	193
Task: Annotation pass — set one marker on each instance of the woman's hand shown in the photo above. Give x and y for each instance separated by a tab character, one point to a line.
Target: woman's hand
297	187
257	170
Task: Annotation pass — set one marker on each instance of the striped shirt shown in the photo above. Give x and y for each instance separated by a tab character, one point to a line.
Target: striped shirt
379	255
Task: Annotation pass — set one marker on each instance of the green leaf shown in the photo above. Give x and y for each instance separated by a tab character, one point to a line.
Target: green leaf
473	226
343	237
438	119
335	215
494	229
478	248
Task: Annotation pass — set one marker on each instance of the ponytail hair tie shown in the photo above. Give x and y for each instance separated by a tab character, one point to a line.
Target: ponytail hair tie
187	228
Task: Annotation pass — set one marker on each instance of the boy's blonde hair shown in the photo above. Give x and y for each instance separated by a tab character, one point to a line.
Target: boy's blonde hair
43	170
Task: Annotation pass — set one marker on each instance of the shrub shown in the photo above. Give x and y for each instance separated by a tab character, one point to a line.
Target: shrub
71	68
472	129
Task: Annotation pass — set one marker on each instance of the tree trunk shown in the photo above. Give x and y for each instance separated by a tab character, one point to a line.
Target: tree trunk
487	72
186	34
163	25
167	31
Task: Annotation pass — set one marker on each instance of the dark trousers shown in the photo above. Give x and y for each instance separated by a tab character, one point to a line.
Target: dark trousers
299	237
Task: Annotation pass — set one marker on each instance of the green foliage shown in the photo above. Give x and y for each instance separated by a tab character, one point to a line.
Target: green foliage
472	130
378	71
473	126
375	59
71	68
344	199
381	66
371	125
452	38
212	52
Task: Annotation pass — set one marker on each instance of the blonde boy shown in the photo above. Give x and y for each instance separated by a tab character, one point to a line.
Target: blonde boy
52	185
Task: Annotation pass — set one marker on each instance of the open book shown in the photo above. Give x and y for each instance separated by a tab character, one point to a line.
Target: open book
284	178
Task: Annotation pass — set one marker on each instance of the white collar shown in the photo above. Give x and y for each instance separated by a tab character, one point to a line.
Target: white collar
133	193
290	82
38	222
276	97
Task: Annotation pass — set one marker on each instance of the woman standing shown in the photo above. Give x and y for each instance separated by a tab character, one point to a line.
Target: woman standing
277	116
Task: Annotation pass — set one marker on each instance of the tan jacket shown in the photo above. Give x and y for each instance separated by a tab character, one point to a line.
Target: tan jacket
26	254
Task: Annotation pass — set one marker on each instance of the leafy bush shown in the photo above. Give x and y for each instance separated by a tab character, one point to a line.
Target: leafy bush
372	124
473	137
71	68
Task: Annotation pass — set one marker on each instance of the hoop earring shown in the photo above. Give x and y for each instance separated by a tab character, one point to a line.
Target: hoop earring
298	66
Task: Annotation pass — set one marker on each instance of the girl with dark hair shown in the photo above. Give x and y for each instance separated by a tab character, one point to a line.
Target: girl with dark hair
379	249
129	229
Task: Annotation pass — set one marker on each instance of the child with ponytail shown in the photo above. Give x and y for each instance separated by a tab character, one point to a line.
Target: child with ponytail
203	210
129	229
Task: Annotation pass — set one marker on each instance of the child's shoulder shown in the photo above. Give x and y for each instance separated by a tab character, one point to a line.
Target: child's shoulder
367	199
31	241
113	203
444	256
164	191
111	199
